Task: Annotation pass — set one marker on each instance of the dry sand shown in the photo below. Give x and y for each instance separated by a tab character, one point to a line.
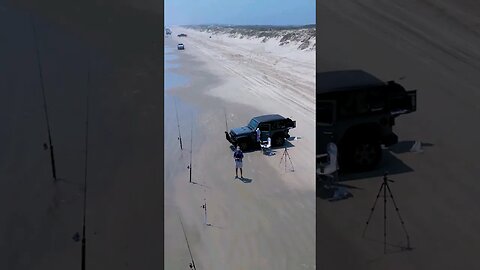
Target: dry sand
434	46
267	220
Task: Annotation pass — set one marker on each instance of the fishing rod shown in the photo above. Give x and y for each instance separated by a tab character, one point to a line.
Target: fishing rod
204	206
84	239
226	125
191	147
42	86
192	263
178	125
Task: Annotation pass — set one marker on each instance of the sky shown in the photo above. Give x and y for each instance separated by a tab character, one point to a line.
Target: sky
240	12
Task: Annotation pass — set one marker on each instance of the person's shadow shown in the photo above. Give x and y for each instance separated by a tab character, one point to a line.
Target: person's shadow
245	180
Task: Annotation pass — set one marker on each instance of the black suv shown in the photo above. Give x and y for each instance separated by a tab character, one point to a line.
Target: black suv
273	125
357	111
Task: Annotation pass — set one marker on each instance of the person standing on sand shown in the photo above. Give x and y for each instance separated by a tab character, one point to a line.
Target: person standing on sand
238	157
258	135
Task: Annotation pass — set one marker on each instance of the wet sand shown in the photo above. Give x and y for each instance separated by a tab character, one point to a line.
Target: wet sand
431	44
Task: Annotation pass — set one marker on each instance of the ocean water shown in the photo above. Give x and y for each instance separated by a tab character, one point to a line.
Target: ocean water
171	68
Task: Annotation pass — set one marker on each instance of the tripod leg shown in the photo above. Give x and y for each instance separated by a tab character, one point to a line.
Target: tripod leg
283	155
372	209
284	159
399	217
291	163
385	218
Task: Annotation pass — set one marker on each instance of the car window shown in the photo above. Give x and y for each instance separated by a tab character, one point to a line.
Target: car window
264	127
253	124
353	103
278	124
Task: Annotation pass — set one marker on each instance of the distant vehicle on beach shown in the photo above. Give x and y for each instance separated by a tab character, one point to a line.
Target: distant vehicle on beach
168	31
180	46
182	35
357	112
272	126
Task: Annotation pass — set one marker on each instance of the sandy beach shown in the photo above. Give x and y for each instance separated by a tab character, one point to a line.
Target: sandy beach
267	220
429	46
124	208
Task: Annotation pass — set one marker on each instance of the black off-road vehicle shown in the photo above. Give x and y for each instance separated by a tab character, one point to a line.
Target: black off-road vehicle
357	111
273	125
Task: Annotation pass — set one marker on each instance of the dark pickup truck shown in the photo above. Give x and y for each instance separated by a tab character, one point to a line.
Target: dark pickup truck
273	125
357	112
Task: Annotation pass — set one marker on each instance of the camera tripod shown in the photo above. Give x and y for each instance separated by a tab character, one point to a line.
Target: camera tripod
385	187
286	155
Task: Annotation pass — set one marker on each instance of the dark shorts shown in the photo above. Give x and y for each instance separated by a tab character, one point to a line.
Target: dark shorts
238	164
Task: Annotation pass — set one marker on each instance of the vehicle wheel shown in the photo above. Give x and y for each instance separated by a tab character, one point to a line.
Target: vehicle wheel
278	141
364	155
243	145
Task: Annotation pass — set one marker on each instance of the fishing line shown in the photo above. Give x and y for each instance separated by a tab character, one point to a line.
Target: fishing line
178	125
192	264
42	86
84	238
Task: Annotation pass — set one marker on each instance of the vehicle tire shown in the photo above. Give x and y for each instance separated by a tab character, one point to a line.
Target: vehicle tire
363	155
243	145
278	141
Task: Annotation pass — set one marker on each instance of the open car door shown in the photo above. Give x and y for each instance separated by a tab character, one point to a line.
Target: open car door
290	123
403	104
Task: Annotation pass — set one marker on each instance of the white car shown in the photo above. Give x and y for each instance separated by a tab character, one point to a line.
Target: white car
180	46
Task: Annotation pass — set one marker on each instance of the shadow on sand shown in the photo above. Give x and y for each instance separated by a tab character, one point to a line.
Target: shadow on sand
389	163
202	185
406	146
214	226
391	248
287	145
245	180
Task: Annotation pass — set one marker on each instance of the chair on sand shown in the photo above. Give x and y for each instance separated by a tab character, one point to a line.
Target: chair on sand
266	146
329	170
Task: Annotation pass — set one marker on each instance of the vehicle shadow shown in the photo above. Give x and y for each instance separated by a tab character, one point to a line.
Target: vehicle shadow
274	149
407	146
389	163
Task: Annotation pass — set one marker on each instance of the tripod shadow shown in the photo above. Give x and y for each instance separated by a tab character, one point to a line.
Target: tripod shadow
394	248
